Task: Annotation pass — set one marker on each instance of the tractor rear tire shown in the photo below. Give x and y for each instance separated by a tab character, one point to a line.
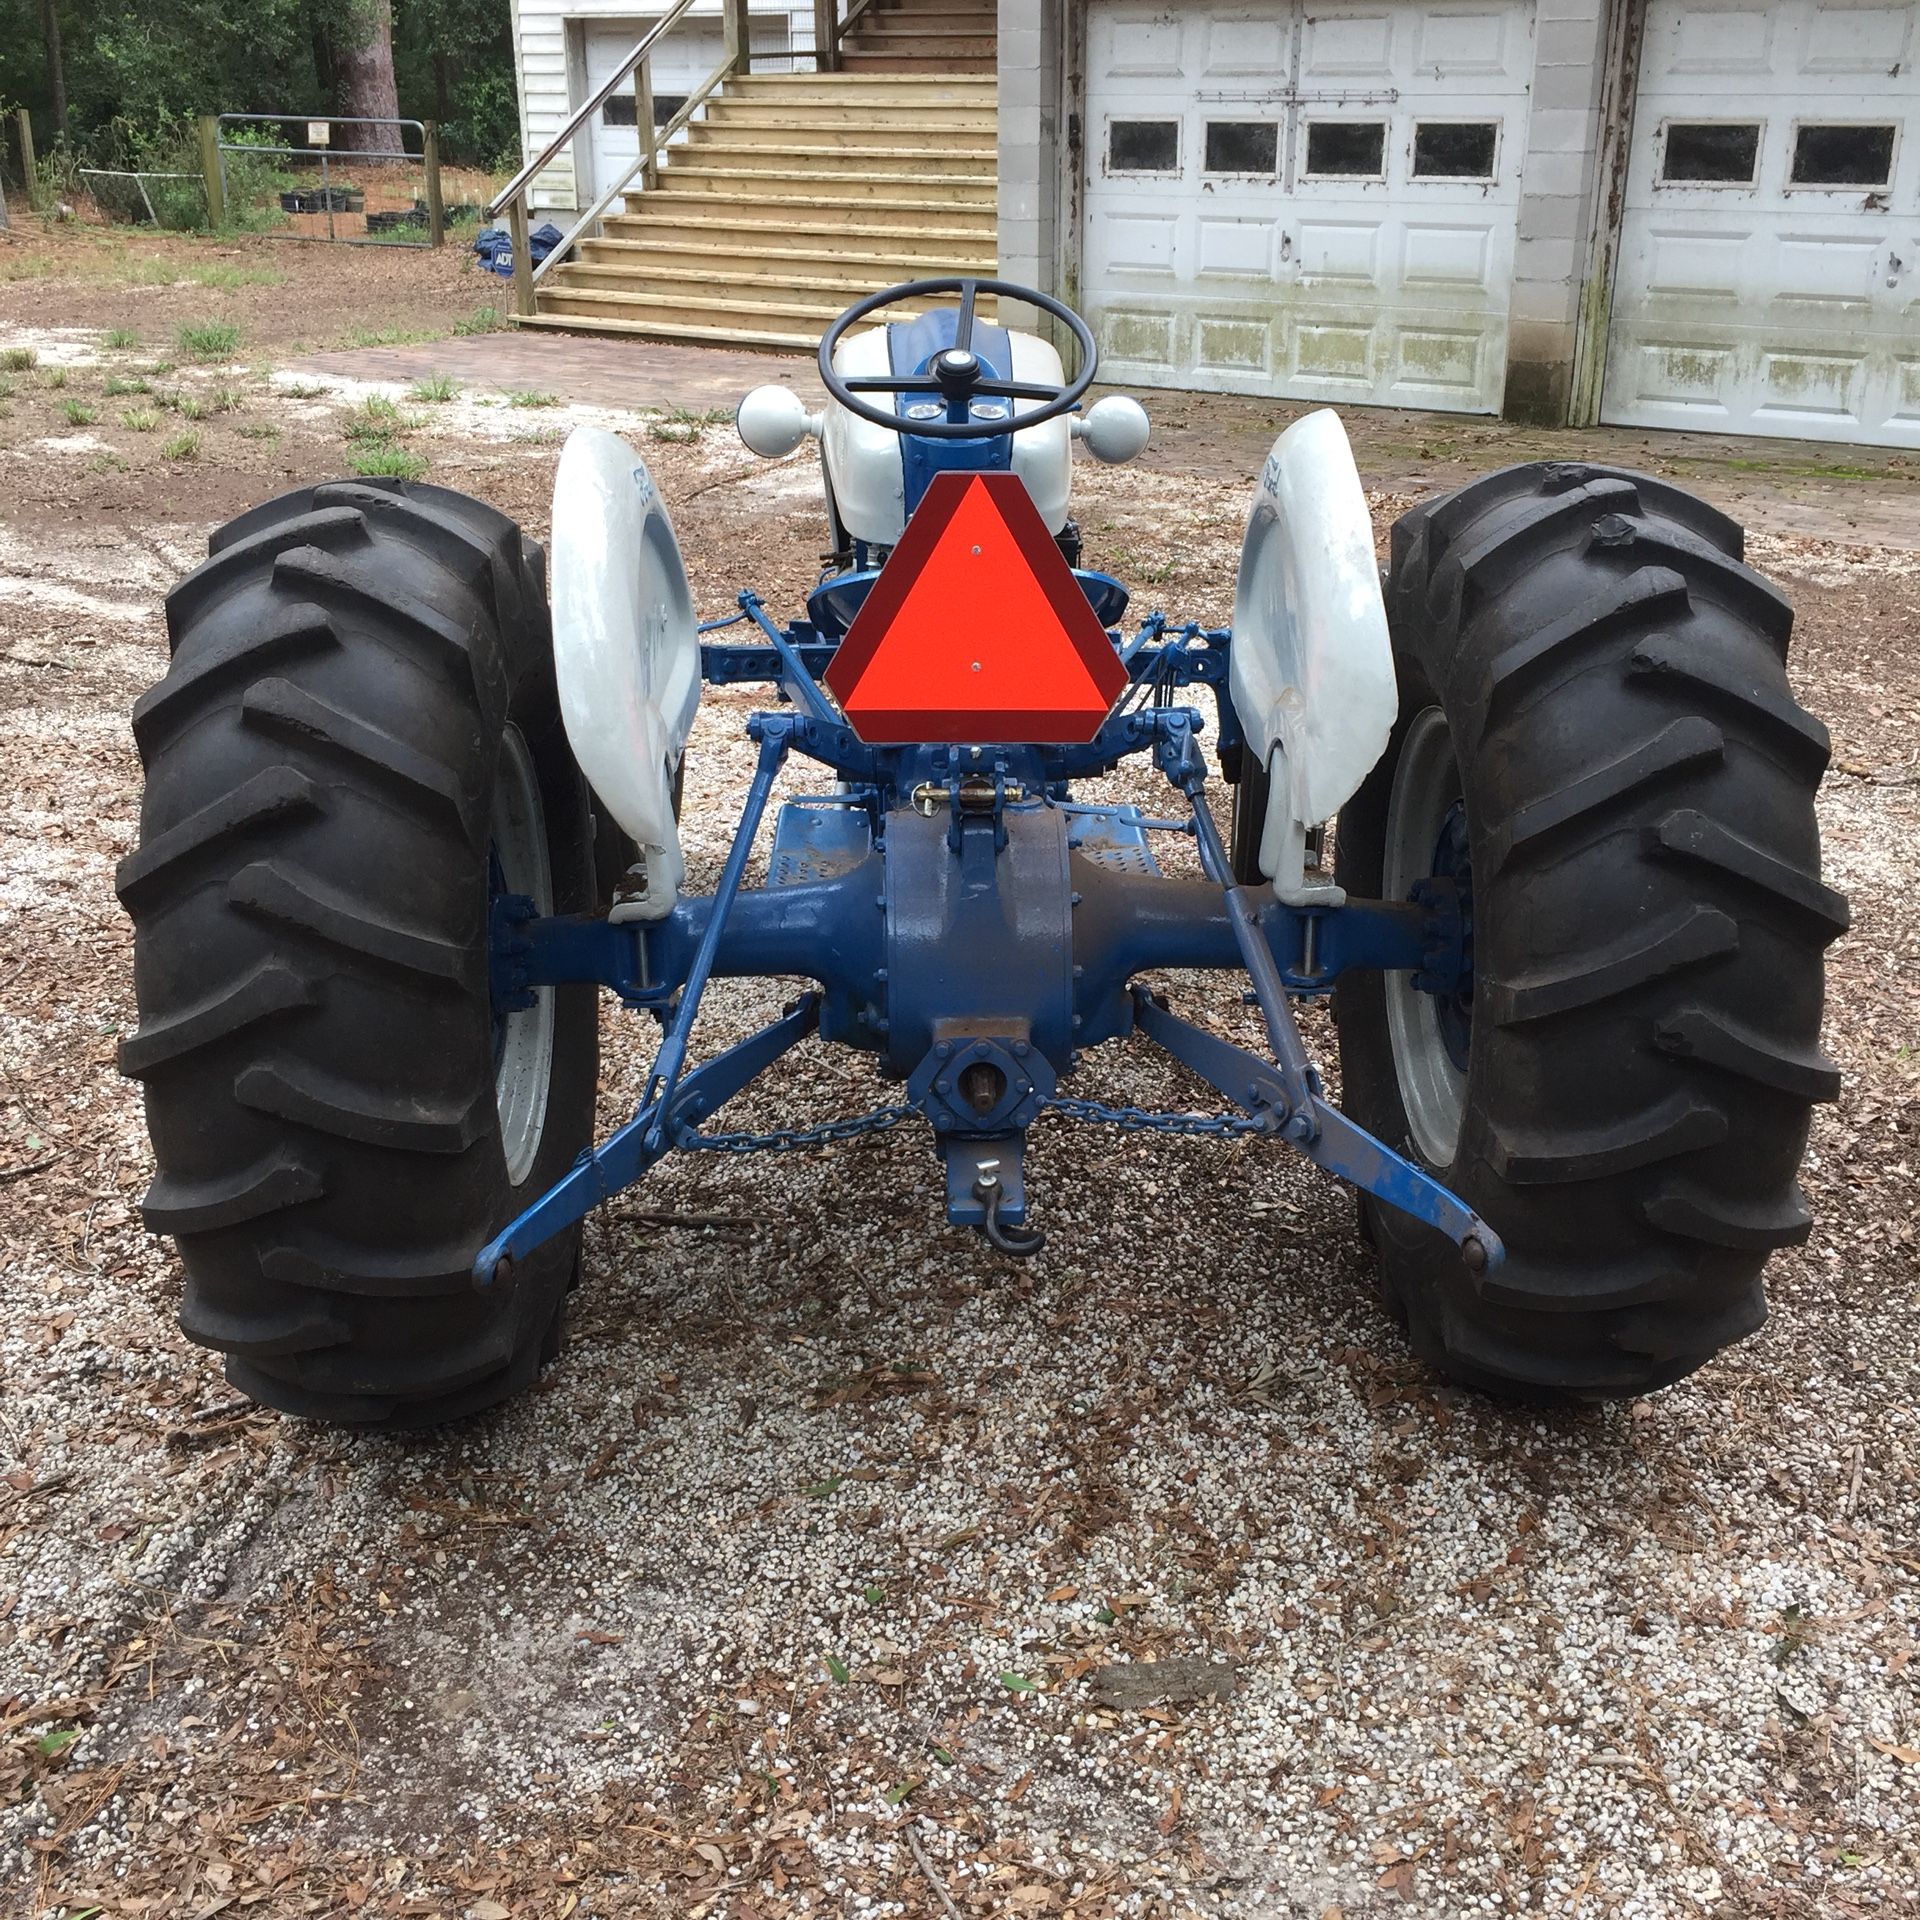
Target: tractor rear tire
1592	674
358	743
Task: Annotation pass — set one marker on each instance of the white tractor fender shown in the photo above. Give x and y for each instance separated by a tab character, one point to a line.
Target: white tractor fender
626	648
1312	668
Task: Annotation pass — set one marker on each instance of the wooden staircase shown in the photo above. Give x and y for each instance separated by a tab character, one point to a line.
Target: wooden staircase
798	193
921	36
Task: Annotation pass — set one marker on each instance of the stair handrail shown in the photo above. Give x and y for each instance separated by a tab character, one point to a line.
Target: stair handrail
652	140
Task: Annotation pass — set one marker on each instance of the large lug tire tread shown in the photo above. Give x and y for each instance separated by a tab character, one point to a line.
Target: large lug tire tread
309	898
1649	929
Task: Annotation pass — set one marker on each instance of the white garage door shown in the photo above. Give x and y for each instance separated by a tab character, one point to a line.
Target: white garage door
680	62
1769	273
1317	204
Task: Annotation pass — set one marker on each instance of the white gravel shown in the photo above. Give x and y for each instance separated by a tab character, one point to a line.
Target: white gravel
805	1492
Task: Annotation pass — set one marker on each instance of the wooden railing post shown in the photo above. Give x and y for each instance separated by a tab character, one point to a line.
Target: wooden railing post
643	124
523	303
436	202
826	36
739	37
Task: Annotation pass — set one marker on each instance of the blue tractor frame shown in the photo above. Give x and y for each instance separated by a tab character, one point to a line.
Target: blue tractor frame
965	921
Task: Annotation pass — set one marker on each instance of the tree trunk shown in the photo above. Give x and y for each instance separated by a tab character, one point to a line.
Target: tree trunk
56	67
363	76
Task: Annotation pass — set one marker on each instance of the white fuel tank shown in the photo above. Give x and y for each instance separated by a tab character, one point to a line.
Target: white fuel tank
863	461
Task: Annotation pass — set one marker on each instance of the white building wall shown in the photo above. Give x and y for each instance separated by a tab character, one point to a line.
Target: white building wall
549	41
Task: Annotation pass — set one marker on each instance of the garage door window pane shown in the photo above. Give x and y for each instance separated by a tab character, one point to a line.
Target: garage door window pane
1454	149
623	111
1347	148
1842	156
1143	146
1243	146
1711	153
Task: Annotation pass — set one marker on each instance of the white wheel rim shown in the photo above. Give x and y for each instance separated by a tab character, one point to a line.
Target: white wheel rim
1433	1091
525	1065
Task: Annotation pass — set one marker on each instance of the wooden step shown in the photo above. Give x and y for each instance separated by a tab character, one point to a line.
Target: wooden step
839	185
820	212
776	312
725	222
665	330
878	64
692	277
907	92
788	134
670	255
905	162
933	41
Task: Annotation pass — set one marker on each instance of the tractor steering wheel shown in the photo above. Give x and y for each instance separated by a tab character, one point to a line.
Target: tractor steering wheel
956	374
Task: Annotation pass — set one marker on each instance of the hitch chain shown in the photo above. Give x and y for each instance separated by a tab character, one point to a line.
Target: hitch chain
794	1139
1150	1120
883	1119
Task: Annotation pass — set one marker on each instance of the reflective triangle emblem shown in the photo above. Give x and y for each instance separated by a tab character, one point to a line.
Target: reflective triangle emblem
976	630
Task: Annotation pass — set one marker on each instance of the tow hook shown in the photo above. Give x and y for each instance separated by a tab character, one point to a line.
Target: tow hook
1021	1243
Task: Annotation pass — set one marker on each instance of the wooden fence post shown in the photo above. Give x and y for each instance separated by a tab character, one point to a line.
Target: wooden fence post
436	203
210	171
29	160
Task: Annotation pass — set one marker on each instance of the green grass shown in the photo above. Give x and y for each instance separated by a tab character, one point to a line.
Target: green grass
140	419
382	460
210	339
225	400
183	446
55	378
377	421
304	390
526	397
78	413
161	368
682	425
119	339
435	389
18	359
217	274
258	430
116	385
107	462
6	389
480	320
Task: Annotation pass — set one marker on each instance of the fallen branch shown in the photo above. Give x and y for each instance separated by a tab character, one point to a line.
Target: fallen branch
932	1879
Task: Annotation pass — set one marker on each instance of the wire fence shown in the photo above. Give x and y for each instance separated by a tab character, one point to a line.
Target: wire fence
337	178
147	197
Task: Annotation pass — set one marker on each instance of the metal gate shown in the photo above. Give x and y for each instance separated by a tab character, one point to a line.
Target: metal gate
349	180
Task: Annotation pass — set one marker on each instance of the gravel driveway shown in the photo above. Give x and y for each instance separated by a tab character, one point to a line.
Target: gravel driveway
839	1567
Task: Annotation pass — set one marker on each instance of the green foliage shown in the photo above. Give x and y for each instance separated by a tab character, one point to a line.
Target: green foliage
436	389
382	460
119	339
210	339
18	359
78	413
138	73
527	397
183	446
140	419
480	320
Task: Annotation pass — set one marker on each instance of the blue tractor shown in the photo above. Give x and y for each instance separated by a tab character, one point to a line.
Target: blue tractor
412	802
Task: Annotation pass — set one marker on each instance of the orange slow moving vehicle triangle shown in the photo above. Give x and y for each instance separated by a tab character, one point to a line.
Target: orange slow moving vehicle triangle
976	630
